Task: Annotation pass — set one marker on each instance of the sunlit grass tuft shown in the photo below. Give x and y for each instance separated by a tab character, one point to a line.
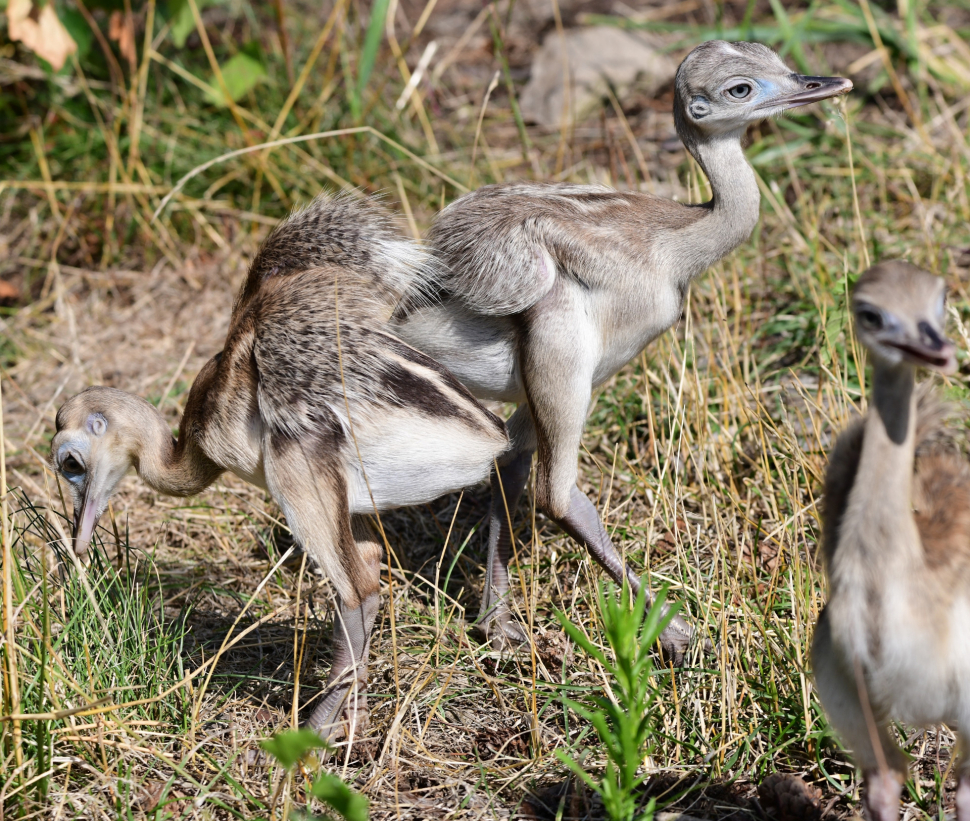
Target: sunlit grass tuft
704	455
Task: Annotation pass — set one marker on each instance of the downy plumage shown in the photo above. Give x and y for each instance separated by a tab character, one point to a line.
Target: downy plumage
546	290
314	399
893	642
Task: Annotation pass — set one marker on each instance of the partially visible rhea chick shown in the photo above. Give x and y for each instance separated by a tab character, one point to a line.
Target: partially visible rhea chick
549	289
893	642
315	401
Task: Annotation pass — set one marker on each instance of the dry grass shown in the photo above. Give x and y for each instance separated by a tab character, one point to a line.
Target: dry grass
704	455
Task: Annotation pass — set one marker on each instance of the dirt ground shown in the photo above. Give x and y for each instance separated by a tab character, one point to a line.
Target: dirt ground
457	730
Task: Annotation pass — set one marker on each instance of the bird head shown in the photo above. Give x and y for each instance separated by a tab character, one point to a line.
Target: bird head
96	442
721	87
900	313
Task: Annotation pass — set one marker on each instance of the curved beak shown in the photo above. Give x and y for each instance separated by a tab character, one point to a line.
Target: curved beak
87	512
810	90
929	349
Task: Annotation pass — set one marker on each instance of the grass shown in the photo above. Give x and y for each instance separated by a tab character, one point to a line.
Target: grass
704	455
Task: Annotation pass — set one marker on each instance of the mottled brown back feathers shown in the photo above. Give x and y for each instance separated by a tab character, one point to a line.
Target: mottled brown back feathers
492	243
941	502
309	342
354	234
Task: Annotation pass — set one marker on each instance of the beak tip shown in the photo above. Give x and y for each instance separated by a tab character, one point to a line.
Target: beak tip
951	366
839	87
822	88
85	522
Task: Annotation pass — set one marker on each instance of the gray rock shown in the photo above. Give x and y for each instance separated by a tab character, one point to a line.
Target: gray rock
595	58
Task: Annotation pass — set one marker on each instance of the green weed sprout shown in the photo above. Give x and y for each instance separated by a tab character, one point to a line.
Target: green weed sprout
290	746
625	726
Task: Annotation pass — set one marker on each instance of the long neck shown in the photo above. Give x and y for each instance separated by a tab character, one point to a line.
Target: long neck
736	202
176	468
878	526
730	216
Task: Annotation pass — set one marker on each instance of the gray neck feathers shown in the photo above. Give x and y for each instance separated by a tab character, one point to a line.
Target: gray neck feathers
170	467
878	525
894	403
731	214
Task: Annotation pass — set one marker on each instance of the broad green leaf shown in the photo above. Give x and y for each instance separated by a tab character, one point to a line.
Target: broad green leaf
79	30
182	20
290	746
351	805
241	73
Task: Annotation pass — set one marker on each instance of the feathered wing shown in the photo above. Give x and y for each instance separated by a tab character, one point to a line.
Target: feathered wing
839	479
492	256
941	508
316	350
502	247
332	377
941	490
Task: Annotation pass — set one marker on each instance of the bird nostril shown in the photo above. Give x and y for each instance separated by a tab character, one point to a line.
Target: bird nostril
930	337
813	85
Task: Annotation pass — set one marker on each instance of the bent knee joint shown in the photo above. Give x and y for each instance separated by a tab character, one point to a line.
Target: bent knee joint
553	497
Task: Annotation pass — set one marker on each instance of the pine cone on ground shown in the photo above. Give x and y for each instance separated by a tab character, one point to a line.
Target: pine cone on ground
789	798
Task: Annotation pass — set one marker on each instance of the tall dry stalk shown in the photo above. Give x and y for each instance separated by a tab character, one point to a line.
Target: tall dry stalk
11	689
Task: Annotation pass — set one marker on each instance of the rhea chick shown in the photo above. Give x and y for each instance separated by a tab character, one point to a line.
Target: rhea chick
893	642
549	289
312	399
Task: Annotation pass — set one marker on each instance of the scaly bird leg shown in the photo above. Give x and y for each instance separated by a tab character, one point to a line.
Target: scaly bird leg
582	522
883	787
495	620
343	711
561	374
963	786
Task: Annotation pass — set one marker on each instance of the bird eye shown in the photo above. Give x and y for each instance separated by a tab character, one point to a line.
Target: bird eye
740	91
70	466
869	319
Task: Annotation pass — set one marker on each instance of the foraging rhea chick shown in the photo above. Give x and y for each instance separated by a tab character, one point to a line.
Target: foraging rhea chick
312	399
893	642
549	289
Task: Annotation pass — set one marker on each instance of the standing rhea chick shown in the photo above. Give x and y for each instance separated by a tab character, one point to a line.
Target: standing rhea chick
312	399
549	289
893	642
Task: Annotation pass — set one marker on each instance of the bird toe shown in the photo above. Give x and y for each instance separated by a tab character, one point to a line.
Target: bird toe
503	634
675	640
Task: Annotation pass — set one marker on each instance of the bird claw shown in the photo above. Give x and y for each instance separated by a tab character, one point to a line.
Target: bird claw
502	632
675	641
505	634
342	714
349	724
882	795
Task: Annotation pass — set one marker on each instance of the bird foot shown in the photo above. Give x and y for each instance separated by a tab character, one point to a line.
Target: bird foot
340	715
882	794
963	798
352	724
675	641
348	724
502	632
